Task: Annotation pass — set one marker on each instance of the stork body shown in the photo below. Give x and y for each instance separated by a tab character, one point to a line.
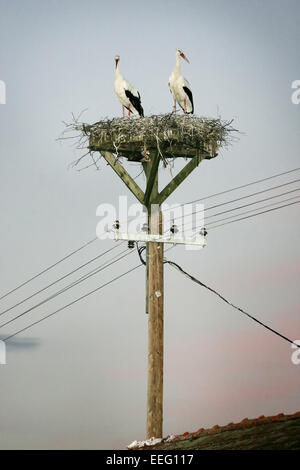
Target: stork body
180	87
128	96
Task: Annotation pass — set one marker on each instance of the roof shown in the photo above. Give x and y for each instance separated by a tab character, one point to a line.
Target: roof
280	432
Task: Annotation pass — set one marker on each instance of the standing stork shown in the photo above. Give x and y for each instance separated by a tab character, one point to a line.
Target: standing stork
180	87
128	96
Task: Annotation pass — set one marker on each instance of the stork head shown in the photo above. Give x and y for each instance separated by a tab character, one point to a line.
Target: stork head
179	53
117	58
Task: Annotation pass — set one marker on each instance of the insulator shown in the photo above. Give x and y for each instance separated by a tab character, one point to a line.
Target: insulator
145	228
174	229
131	244
203	232
116	225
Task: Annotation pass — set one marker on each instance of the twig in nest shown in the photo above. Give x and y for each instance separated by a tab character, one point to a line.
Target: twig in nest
171	135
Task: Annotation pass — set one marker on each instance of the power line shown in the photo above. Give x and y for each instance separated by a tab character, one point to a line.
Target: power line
242	213
252	210
242	218
140	251
253	215
242	197
94	239
129	271
59	279
190	227
76	300
49	267
73	284
71	303
230	190
172	263
178	267
236	188
253	203
98	269
179	205
245	212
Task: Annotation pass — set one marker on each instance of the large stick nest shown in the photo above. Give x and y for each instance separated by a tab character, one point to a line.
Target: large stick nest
172	136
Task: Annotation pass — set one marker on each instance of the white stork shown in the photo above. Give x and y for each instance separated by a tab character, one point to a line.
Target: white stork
180	87
128	96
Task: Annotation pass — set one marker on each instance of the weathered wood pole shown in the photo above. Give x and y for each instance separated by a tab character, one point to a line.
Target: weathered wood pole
155	328
154	302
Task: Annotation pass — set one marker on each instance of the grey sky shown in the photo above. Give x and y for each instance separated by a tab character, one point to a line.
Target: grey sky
82	384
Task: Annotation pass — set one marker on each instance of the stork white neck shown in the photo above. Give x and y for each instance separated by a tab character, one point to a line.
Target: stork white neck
176	70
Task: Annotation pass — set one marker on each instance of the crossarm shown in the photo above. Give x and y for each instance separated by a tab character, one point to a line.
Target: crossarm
178	179
125	177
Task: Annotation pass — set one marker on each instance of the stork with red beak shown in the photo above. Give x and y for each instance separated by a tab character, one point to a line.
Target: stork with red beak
128	96
180	87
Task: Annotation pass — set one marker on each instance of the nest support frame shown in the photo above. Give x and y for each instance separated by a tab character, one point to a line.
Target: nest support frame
150	140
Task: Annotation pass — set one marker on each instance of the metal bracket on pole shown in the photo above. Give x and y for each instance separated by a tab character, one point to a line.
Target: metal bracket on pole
174	240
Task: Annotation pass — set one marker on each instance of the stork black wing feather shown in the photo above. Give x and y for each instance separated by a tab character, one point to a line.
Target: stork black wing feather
190	95
135	101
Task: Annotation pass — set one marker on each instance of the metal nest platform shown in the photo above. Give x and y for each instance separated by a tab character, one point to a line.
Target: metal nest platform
171	136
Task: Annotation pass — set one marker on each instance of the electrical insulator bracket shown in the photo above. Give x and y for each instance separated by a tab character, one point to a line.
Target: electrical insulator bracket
173	239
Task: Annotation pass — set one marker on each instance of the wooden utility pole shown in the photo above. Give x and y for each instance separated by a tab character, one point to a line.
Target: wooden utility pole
155	329
152	199
154	303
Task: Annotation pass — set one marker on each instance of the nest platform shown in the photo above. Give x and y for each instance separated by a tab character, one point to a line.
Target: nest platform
171	136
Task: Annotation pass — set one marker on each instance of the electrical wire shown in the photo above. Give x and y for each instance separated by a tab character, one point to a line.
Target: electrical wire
49	267
229	190
253	215
192	278
212	226
166	210
71	303
252	210
59	279
241	198
73	284
76	300
99	268
253	203
236	188
237	215
140	251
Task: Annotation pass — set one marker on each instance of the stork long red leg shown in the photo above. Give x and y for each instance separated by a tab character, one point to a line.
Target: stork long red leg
123	109
129	112
184	106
